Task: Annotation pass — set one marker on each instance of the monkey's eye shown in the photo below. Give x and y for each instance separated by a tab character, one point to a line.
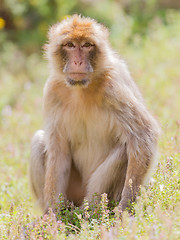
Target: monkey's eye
70	45
87	45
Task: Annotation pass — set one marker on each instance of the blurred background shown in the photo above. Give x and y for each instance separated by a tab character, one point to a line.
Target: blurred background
26	22
145	33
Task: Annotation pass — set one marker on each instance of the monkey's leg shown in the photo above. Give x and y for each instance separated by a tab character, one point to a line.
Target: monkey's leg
109	177
58	166
37	168
139	166
49	169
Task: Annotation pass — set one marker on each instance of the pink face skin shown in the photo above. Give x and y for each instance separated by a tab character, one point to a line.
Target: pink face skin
79	63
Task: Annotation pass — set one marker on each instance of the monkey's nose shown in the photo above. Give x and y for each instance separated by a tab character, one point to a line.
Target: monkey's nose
78	63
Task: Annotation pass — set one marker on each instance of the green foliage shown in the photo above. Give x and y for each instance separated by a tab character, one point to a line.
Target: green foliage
73	217
153	59
27	22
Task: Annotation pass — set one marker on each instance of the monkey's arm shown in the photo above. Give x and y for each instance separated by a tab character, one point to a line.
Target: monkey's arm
141	131
57	169
127	165
58	157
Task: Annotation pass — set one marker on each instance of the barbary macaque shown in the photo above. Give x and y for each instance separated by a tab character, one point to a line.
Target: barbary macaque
98	136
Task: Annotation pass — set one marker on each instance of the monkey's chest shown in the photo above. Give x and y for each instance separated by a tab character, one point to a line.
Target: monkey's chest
91	137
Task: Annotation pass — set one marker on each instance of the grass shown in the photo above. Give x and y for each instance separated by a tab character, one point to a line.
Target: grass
154	64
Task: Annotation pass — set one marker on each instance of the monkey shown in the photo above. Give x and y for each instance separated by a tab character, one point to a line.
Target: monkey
98	135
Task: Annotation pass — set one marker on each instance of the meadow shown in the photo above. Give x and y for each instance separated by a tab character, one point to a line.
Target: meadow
154	62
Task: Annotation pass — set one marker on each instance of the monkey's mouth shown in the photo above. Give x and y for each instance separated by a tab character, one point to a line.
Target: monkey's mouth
78	79
81	82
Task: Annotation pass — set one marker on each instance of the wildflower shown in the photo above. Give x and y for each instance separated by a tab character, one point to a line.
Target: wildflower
2	23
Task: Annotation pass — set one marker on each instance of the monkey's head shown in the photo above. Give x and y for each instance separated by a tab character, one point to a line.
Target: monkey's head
74	50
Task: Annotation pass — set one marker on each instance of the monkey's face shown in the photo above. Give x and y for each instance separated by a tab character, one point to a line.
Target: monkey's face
78	61
77	50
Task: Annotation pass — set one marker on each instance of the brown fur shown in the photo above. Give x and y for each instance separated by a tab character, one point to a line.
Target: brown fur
98	138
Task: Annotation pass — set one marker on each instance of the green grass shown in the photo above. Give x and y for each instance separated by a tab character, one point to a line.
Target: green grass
154	63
